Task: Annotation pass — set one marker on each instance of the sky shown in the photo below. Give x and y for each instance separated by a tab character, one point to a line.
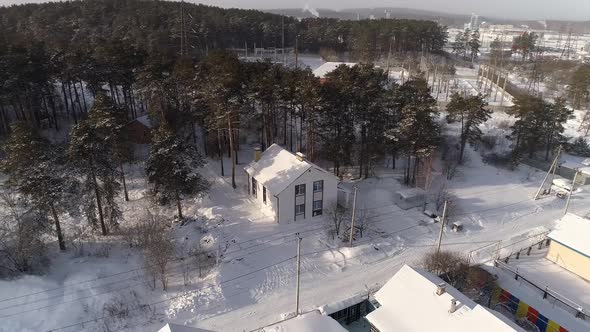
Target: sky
523	9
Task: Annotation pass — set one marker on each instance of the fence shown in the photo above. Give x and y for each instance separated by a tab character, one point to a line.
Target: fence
497	250
553	297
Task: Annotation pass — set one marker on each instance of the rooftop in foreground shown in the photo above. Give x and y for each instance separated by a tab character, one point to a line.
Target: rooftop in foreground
409	302
567	292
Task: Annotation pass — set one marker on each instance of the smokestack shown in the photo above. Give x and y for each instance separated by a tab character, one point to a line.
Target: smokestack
440	289
453	306
257	153
300	156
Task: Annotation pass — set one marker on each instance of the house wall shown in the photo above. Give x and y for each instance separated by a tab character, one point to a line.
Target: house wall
138	133
287	197
569	259
271	201
568	173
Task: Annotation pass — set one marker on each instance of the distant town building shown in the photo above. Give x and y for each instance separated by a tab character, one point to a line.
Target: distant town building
293	188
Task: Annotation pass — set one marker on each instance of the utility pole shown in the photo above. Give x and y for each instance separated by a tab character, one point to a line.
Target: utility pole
442	228
296	51
567	204
298	273
353	216
551	170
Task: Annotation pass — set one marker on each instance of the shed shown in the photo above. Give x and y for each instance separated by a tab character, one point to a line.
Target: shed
345	194
569	245
139	130
409	198
569	168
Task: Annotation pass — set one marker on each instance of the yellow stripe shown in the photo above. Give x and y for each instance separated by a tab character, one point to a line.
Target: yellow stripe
496	294
552	326
523	308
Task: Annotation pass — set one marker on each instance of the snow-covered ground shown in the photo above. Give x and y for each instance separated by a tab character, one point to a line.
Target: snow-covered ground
254	283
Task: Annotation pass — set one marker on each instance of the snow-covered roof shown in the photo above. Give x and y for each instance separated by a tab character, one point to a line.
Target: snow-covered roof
144	120
409	303
575	165
180	328
329	67
309	322
412	192
572	231
586	162
278	168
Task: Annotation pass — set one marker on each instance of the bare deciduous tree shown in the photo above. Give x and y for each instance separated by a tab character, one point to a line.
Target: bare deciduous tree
22	249
450	266
336	216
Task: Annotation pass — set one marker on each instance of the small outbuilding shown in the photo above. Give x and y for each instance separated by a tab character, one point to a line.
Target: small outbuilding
569	169
409	198
569	246
139	130
294	188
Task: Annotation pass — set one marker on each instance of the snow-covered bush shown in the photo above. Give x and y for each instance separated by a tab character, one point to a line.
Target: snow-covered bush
22	249
579	147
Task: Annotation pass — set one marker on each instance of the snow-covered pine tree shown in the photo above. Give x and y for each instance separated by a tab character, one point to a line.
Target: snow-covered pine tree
172	168
92	151
471	112
417	132
37	170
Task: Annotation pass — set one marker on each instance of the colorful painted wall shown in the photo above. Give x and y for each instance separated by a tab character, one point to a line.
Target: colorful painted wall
523	310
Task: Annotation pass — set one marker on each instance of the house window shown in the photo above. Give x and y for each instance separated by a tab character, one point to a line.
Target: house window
317	208
254	187
318	198
300	201
318	186
300	209
300	189
264	194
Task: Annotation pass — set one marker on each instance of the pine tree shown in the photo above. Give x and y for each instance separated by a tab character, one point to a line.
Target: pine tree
540	124
93	152
222	87
579	87
471	112
172	168
36	169
474	45
557	114
418	132
459	44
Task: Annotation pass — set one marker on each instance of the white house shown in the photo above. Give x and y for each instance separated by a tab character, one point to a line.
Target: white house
416	300
292	187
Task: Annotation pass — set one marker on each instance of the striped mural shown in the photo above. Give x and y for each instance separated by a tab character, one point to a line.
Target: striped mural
522	310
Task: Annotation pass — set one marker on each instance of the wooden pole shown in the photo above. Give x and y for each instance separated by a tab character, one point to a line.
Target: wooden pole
567	204
442	227
353	216
298	273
